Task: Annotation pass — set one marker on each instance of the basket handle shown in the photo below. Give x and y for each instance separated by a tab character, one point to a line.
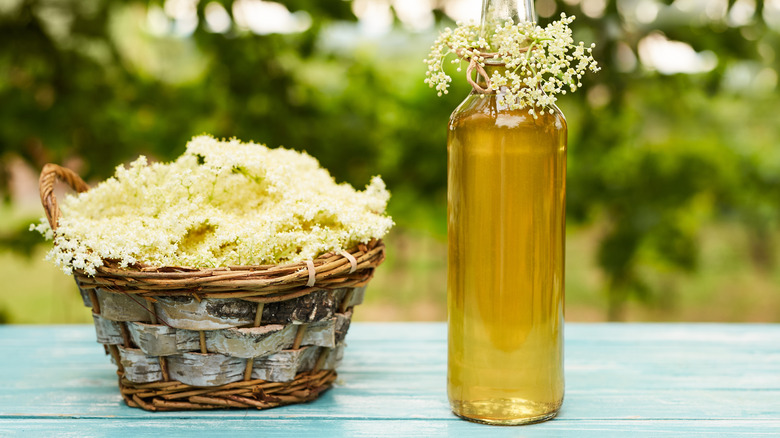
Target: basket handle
49	176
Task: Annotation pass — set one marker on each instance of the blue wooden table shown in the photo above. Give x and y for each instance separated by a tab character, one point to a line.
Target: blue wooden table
638	379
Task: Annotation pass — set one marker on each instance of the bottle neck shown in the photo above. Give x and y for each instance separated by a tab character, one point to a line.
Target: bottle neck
498	12
490	69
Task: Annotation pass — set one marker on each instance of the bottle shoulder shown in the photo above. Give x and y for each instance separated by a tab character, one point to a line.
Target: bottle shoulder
483	110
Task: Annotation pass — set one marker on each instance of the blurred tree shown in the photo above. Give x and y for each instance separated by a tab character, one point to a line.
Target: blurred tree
679	127
657	151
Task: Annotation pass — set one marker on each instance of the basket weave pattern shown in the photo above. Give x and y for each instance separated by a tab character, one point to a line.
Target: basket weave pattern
229	337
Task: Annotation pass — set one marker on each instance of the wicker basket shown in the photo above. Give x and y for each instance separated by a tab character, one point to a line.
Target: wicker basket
231	337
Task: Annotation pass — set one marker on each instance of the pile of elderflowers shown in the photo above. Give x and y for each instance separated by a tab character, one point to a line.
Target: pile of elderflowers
221	203
539	62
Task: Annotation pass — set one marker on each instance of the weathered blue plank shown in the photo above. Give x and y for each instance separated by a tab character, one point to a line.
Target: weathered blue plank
409	427
652	379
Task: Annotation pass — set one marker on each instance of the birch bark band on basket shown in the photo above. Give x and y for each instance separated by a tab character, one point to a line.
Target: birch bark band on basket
229	337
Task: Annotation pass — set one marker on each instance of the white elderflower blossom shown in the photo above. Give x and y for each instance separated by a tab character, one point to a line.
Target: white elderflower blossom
221	203
538	63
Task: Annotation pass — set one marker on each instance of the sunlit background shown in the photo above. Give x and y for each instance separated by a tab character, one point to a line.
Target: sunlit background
674	147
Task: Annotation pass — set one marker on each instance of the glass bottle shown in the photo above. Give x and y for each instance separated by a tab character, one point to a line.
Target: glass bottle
506	224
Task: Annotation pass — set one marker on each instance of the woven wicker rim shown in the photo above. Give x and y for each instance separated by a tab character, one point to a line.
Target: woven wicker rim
258	283
174	396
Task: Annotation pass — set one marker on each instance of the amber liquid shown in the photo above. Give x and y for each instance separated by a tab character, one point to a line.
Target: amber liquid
507	186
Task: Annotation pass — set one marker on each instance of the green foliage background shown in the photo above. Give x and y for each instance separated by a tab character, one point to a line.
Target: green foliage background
653	158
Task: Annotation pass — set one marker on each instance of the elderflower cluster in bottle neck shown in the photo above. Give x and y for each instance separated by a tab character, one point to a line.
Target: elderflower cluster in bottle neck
539	63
